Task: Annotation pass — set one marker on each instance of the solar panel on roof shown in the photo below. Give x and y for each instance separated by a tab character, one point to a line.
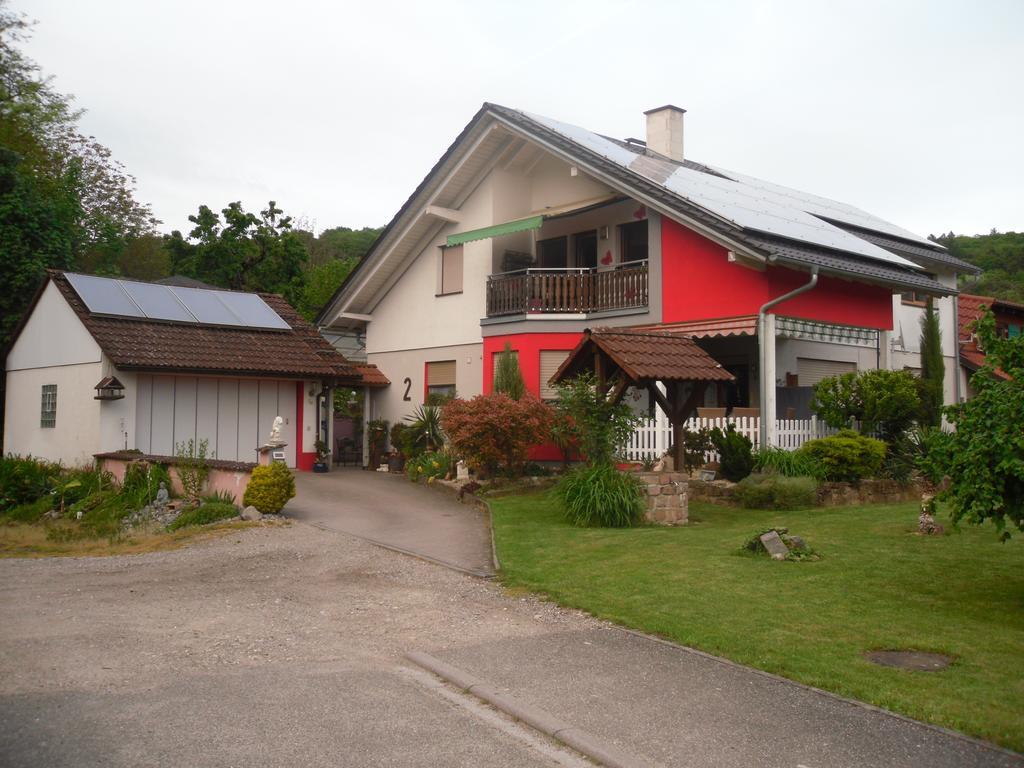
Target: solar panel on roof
157	302
252	310
104	296
127	298
747	202
206	306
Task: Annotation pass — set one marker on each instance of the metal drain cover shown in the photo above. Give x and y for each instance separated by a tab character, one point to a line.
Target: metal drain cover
917	661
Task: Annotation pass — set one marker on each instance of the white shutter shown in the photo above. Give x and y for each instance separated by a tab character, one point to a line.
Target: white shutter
810	371
550	361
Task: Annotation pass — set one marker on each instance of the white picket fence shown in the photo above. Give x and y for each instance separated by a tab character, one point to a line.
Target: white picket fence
654	437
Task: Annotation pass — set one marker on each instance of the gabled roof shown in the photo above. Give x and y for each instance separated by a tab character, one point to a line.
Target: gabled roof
149	345
755	218
645	356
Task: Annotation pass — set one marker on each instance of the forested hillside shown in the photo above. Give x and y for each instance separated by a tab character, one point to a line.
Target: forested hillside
999	254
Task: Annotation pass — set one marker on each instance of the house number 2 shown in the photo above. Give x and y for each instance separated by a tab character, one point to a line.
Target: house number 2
408	386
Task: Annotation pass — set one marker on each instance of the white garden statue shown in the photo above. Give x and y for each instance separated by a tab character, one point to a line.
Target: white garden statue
275	432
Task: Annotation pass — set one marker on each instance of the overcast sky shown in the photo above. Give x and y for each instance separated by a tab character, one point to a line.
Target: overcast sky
336	110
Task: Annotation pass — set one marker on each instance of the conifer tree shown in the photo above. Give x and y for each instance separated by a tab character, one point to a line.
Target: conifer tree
508	379
933	369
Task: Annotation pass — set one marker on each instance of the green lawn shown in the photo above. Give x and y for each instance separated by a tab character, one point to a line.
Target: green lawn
877	586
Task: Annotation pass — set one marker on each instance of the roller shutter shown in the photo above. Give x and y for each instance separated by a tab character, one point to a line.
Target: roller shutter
550	361
811	371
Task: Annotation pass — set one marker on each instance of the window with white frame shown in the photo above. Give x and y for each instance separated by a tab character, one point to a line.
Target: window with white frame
48	412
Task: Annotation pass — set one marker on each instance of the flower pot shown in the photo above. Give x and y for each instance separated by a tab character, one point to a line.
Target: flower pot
320	466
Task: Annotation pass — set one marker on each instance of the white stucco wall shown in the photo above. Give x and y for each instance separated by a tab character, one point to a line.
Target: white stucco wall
76	436
906	335
389	403
53	348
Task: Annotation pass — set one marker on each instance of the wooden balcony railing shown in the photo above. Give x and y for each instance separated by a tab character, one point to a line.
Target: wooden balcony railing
578	291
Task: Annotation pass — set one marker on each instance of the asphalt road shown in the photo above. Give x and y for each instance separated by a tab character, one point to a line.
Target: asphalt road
390	510
284	646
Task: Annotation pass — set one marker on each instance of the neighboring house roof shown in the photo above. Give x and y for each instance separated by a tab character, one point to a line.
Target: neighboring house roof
184	282
969	311
647	356
758	219
150	345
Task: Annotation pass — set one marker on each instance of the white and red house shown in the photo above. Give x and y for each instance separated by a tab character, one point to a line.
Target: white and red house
528	230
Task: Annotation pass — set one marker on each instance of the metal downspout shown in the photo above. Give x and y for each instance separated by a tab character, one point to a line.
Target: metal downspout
956	342
762	322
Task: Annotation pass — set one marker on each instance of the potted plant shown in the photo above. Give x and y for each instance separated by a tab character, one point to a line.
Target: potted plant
322	455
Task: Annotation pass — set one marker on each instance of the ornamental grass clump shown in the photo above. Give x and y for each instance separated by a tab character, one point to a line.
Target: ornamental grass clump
600	495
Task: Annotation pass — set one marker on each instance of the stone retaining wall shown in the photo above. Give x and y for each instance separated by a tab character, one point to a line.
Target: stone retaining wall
228	476
667	497
871	491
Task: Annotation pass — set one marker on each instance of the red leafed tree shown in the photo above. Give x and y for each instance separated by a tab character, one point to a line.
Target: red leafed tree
491	432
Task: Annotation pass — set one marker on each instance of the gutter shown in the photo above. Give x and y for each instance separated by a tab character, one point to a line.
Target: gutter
956	342
762	323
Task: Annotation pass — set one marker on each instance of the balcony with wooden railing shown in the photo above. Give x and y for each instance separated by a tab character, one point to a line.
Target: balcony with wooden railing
567	291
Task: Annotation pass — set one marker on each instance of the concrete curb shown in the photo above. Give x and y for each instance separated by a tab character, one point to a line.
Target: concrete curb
582	741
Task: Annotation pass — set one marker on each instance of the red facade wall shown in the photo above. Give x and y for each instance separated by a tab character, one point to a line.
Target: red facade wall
529	346
699	283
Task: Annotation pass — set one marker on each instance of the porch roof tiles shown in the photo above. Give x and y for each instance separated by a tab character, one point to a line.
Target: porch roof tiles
647	356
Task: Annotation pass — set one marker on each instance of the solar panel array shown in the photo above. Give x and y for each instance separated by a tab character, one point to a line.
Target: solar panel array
125	298
748	202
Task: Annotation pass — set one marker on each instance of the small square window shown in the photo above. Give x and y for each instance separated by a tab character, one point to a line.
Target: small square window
48	413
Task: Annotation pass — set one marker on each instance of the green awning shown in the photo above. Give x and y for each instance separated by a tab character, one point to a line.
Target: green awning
521	225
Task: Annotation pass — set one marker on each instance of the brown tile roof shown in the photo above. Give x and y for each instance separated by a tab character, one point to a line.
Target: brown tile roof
372	375
134	344
969	311
646	355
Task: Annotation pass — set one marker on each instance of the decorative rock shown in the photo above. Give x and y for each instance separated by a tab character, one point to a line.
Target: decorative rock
251	513
775	546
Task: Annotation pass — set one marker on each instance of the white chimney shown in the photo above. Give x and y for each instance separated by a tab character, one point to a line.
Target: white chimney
665	131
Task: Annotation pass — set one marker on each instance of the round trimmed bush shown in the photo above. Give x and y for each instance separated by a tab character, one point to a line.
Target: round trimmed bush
270	488
847	456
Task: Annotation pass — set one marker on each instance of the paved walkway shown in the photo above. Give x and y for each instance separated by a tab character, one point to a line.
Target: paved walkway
388	509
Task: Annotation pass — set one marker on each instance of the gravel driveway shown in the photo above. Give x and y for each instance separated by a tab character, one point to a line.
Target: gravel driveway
273	646
284	646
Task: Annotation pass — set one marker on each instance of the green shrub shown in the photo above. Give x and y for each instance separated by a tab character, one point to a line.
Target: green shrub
204	515
142	482
735	451
847	456
600	495
269	488
696	446
192	467
779	461
403	440
598	427
880	401
776	492
29	512
101	512
428	465
219	497
24	479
